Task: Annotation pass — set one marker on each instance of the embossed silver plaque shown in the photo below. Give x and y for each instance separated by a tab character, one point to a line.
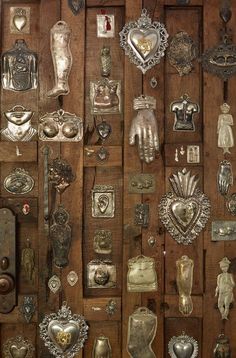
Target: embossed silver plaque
193	154
144	41
142	183
185	210
105	25
18	347
19	20
223	231
103	201
102	242
64	333
183	347
18	182
141	276
105	96
101	274
141	215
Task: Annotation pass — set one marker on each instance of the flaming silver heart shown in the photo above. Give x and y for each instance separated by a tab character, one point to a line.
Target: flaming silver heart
183	347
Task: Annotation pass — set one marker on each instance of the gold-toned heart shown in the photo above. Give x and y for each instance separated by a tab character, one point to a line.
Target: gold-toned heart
63	335
144	43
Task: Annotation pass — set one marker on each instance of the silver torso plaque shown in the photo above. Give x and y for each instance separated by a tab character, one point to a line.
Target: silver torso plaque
184	111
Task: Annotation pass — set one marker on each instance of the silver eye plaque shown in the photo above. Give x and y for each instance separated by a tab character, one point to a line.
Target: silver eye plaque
103	201
18	182
144	41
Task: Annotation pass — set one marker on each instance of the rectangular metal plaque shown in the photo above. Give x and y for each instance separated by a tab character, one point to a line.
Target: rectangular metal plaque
223	231
142	184
103	201
141	215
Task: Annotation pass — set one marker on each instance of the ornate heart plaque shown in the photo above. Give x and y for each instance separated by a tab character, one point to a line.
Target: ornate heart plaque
18	347
183	347
19	21
63	333
185	210
144	41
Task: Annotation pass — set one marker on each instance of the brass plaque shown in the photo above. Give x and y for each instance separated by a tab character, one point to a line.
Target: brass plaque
142	184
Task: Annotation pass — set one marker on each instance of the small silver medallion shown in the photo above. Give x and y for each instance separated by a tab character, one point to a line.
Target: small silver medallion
183	346
103	201
72	278
106	25
18	182
54	284
101	274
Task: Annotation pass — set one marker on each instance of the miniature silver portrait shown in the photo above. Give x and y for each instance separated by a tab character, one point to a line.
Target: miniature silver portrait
223	231
64	333
60	126
60	35
142	183
105	25
101	347
19	68
19	20
19	126
141	276
141	215
181	52
105	96
103	201
18	347
185	210
183	346
101	274
18	182
102	242
224	177
184	110
193	154
142	327
144	41
54	284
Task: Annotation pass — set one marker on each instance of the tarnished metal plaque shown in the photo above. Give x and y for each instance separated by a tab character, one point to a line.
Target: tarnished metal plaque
18	347
142	183
193	154
105	96
141	215
102	242
19	20
223	230
101	274
103	201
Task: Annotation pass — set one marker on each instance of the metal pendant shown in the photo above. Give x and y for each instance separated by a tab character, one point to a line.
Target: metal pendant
60	35
105	96
102	154
222	348
54	284
144	41
18	124
111	307
18	347
27	308
19	68
101	348
101	274
104	130
64	333
224	288
141	276
60	126
193	154
141	215
142	328
28	261
72	278
105	25
142	183
185	210
60	236
60	175
181	52
224	177
223	231
102	242
18	182
103	201
231	204
184	111
183	347
76	6
184	279
20	20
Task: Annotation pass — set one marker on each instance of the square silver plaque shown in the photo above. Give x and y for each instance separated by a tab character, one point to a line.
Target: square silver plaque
103	201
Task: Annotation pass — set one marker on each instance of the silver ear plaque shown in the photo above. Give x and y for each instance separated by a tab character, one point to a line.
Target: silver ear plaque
142	183
224	177
142	327
18	182
141	276
64	333
181	52
19	126
20	20
101	274
184	110
18	347
102	242
223	231
144	41
103	201
185	210
105	25
60	126
183	346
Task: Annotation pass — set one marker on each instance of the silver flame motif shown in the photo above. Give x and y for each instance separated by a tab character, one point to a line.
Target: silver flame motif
185	210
